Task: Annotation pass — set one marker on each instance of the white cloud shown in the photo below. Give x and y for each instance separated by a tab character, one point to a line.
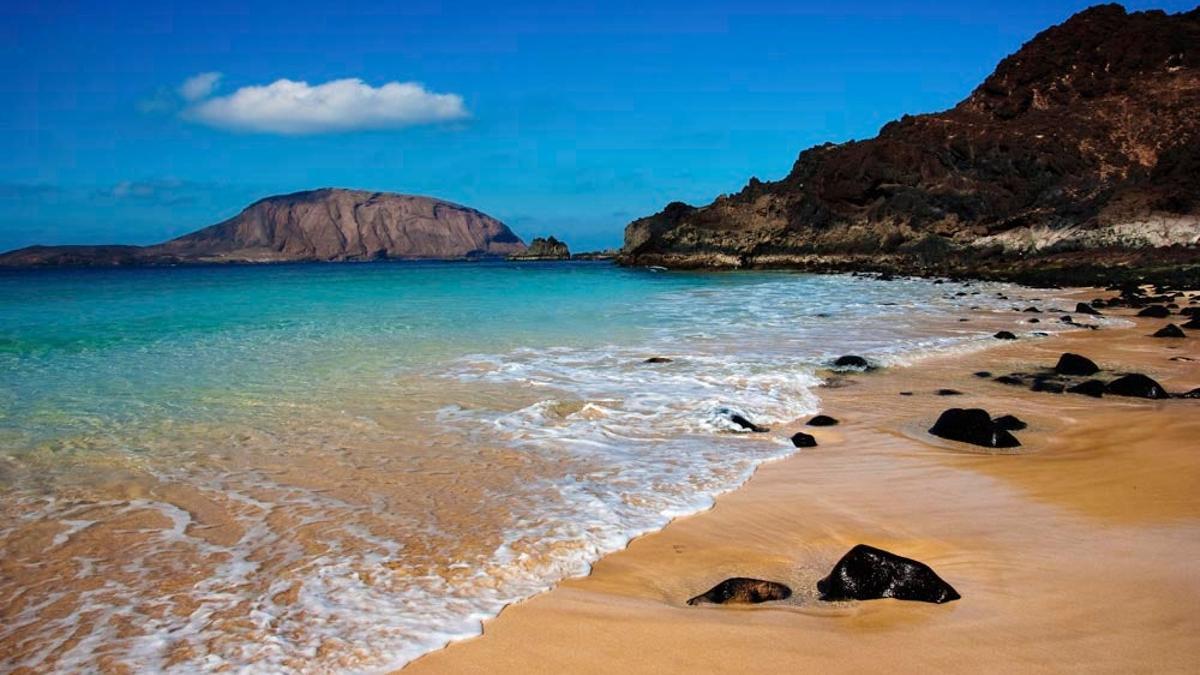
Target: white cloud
199	86
290	107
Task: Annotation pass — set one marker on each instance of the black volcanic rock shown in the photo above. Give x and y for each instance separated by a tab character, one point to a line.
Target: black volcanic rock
742	591
822	421
747	424
1136	385
1093	388
803	440
1169	331
1074	364
851	361
869	573
1155	312
1084	308
972	425
1004	335
1010	423
1051	169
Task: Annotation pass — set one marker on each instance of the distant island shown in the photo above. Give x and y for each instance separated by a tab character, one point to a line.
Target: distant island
328	224
1077	159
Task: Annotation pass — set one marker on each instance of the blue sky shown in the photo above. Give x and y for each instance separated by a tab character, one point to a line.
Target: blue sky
562	118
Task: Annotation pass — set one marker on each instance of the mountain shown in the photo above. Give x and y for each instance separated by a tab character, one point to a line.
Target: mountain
329	224
1081	152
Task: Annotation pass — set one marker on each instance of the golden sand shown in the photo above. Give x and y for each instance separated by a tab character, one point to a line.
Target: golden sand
1078	553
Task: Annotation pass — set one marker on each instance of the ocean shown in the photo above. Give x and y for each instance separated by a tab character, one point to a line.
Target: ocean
318	468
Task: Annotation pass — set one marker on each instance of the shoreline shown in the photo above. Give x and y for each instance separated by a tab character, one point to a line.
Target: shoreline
628	613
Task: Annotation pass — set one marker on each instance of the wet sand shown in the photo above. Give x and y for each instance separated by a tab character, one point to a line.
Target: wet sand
1078	552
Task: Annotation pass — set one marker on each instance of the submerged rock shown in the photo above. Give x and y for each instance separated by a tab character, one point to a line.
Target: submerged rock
743	591
747	424
1155	312
1047	385
949	392
658	359
1169	331
1074	364
869	573
803	440
853	361
1009	379
1093	388
822	421
1004	335
1136	385
974	426
982	373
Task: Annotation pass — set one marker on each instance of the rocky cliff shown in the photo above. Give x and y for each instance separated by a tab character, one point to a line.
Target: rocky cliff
1081	151
318	225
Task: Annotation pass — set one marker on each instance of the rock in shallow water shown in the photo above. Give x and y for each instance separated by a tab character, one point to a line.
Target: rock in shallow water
1010	423
1155	312
822	421
1136	385
1004	335
1084	308
741	590
853	361
658	359
803	440
869	573
1074	364
1169	331
974	426
747	424
1093	388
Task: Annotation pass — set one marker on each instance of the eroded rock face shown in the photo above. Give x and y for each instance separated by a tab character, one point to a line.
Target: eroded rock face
869	573
742	590
319	225
1080	152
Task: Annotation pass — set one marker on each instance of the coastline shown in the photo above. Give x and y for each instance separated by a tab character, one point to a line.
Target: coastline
1072	553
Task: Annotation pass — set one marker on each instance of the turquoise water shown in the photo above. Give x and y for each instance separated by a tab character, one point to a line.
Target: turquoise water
314	468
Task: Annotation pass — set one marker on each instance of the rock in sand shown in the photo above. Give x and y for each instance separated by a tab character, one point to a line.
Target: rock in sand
869	573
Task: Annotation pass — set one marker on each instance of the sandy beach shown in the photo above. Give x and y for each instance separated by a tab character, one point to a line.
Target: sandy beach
1075	552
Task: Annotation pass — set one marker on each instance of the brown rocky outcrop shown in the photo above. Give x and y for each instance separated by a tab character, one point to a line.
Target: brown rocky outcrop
1081	151
319	225
547	248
